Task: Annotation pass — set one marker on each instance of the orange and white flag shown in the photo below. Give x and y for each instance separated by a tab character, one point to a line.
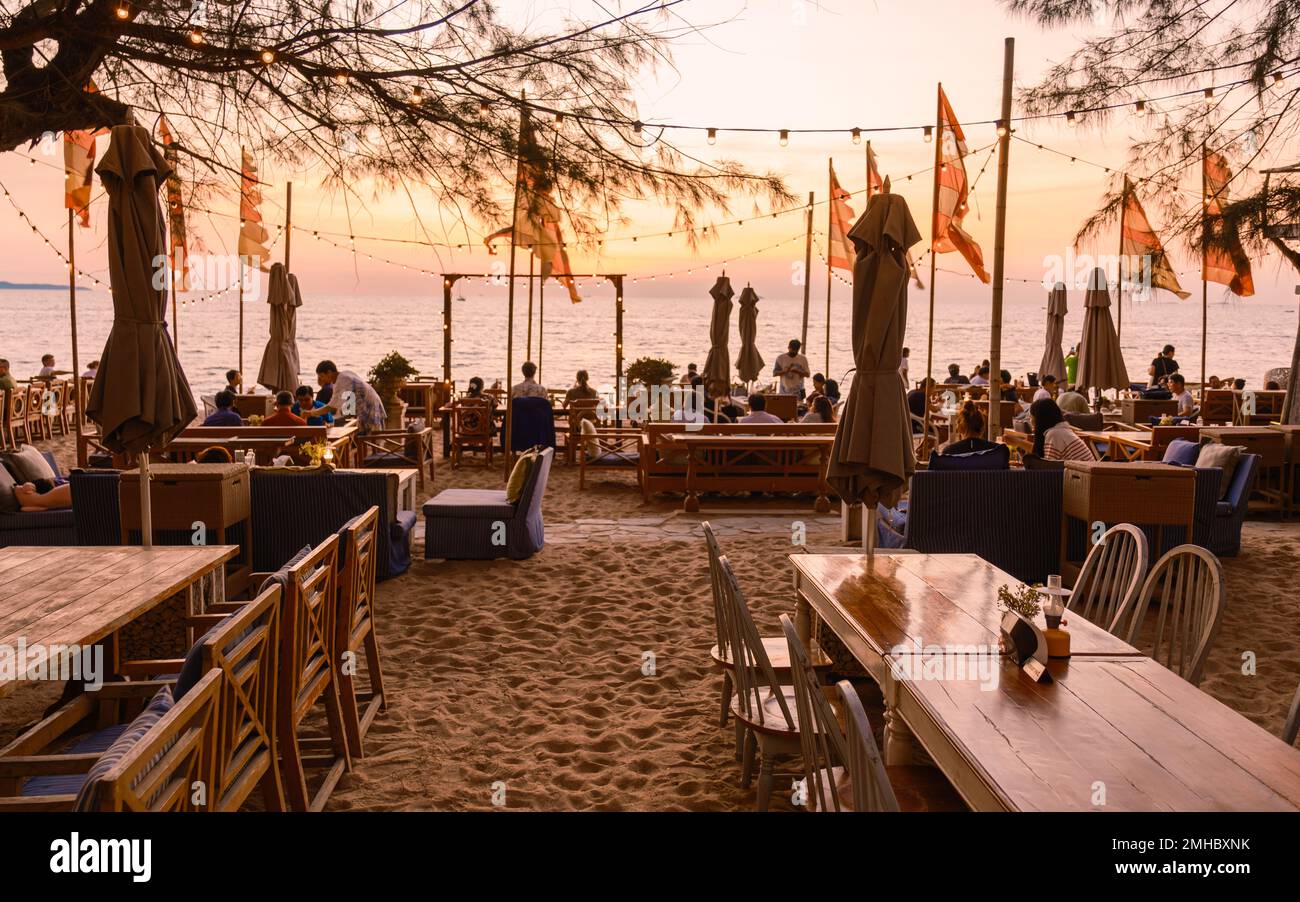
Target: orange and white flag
953	193
875	184
1229	267
252	234
78	168
1138	239
177	239
839	250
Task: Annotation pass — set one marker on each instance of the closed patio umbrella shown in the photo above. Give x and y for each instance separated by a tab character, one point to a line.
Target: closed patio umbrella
1291	414
1053	360
717	366
1101	365
872	457
141	399
750	362
280	365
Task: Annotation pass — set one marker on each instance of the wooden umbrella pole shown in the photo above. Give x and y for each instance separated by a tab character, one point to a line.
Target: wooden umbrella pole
830	213
807	274
72	312
510	289
1119	284
934	229
999	244
146	506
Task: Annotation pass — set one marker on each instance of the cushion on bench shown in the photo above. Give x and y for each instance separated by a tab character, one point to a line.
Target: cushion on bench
469	504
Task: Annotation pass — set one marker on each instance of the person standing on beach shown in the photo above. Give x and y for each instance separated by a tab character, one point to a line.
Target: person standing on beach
1071	366
902	367
1162	367
792	368
350	396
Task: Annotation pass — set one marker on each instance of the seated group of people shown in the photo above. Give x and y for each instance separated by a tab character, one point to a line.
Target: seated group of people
1053	437
289	410
342	394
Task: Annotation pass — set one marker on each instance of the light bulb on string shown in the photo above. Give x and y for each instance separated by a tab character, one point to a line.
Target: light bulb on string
268	56
712	137
1070	119
928	134
1140	107
785	137
857	135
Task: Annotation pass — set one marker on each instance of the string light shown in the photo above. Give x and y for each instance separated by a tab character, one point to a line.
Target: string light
1140	108
712	136
341	78
1209	95
857	135
484	105
928	134
123	12
1002	128
1070	119
417	95
636	127
196	35
1277	77
785	137
268	56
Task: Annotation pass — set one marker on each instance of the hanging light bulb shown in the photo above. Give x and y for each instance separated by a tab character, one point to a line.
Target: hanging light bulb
1140	107
928	134
785	137
196	35
417	95
1209	95
857	135
636	127
268	56
123	12
341	78
1277	77
559	117
1002	129
712	137
1070	119
484	105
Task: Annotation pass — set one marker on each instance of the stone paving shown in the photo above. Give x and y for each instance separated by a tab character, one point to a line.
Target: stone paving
677	526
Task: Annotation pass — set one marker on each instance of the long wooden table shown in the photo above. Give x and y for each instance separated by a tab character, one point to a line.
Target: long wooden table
81	595
1114	731
1121	446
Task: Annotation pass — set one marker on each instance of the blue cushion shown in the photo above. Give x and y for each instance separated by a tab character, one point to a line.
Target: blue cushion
998	458
404	524
1183	452
281	576
192	668
469	504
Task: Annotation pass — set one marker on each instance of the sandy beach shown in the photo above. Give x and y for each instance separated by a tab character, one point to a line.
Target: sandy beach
527	677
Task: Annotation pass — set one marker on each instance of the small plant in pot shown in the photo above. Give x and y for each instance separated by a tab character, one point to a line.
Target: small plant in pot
388	377
651	372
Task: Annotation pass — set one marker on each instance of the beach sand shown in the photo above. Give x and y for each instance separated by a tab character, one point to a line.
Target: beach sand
524	680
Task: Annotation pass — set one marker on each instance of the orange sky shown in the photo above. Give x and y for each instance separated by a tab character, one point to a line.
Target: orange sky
779	63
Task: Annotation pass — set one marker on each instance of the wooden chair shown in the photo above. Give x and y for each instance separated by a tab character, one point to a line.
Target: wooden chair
354	630
307	677
1187	584
400	449
472	429
6	412
924	441
1111	576
244	645
609	448
1292	728
869	777
821	741
155	763
579	410
37	427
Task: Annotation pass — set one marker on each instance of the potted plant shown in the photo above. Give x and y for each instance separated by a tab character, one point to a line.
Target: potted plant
388	377
650	372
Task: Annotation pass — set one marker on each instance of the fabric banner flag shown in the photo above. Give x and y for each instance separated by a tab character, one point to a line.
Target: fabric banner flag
78	168
537	221
177	245
954	191
1229	267
252	234
1138	239
839	251
875	184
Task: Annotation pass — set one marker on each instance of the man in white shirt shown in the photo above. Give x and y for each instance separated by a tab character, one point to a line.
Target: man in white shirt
530	387
351	396
1178	388
1047	389
792	368
758	410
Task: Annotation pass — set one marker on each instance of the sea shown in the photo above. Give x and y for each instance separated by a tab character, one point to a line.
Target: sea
1246	336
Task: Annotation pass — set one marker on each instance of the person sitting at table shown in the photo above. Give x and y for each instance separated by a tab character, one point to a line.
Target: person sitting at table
1178	388
234	382
284	415
955	376
688	378
581	391
1053	437
1214	382
981	376
916	400
225	414
530	387
820	411
48	370
1047	389
1270	385
1009	392
7	381
303	399
1072	401
92	370
1238	384
758	411
719	406
350	395
43	495
474	392
969	432
690	410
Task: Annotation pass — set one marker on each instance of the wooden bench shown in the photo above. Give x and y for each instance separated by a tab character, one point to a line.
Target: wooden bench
1224	407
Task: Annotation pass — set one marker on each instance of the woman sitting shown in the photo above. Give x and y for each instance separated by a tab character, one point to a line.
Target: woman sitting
970	432
1053	437
821	411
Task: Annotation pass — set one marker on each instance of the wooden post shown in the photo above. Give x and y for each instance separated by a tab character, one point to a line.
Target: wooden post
541	324
240	270
1205	249
528	354
830	213
447	283
807	275
934	228
288	221
999	244
72	311
510	290
618	349
1119	286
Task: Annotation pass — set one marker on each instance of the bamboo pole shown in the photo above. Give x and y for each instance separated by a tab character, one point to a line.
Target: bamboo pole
807	274
528	354
830	213
447	282
1205	288
541	324
618	350
934	229
72	311
999	244
510	289
240	268
288	221
1119	287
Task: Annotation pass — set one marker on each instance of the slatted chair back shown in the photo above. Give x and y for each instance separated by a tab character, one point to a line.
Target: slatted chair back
308	627
719	591
166	768
245	648
6	405
821	741
871	787
471	418
1291	729
355	627
18	416
755	679
1187	587
36	424
1111	576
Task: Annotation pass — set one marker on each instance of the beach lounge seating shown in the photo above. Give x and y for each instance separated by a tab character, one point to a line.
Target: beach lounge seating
462	524
1111	576
472	429
399	449
46	527
1186	586
354	629
149	762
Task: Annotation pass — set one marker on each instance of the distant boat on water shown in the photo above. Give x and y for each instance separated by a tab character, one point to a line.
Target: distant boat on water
36	286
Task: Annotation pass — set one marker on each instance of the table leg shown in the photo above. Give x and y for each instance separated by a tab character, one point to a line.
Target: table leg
899	742
802	614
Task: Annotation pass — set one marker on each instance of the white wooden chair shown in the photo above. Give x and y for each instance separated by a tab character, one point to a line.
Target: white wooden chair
1111	576
1292	728
822	744
1187	586
872	789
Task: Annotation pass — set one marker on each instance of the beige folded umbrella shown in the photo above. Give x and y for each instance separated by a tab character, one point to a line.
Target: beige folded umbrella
1053	360
717	366
1101	365
872	457
141	399
750	363
280	365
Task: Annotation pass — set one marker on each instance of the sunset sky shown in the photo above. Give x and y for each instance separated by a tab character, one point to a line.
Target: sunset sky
772	64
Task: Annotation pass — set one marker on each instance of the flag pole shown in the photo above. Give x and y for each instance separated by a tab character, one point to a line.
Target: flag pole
510	289
1205	290
999	244
830	214
239	265
288	221
72	309
934	228
868	155
807	274
528	355
1119	286
541	320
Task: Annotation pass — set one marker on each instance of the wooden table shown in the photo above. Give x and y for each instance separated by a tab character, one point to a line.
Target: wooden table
1271	446
81	595
1119	446
1292	457
342	441
1114	724
1140	410
716	454
265	447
